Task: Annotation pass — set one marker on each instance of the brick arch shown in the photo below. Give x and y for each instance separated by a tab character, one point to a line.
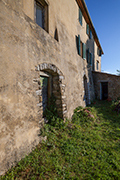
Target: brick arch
58	88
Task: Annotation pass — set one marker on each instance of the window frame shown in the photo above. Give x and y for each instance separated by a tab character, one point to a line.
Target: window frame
99	51
44	6
37	3
89	57
80	16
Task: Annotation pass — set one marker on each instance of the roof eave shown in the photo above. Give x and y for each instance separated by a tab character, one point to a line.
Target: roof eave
83	7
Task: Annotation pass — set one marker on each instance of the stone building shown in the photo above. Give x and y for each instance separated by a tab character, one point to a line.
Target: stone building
46	47
107	86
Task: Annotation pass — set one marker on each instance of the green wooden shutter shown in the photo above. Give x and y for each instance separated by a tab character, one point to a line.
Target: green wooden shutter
90	34
79	45
80	16
100	52
87	55
87	29
91	57
84	51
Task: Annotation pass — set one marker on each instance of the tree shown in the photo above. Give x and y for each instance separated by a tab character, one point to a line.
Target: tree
118	72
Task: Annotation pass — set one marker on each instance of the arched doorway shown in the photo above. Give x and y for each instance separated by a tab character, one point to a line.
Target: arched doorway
50	82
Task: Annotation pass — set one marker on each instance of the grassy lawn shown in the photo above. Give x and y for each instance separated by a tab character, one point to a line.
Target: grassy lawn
88	148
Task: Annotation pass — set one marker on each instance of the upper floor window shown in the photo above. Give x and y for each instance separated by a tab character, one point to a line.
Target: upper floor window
89	57
99	51
88	31
41	14
80	16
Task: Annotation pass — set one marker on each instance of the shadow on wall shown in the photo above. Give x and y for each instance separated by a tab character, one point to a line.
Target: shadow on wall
90	51
86	51
86	95
56	35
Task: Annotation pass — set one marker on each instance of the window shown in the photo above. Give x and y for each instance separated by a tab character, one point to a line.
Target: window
99	51
41	14
97	65
89	31
89	57
80	16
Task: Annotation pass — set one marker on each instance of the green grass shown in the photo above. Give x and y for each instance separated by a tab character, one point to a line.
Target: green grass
88	148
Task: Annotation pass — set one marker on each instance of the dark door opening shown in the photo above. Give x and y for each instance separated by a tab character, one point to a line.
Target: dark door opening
104	86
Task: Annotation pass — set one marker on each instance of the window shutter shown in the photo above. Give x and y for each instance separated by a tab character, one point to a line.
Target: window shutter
80	16
91	58
100	52
90	34
87	29
84	51
79	52
87	55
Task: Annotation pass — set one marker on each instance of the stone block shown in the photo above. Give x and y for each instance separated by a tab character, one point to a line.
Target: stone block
39	92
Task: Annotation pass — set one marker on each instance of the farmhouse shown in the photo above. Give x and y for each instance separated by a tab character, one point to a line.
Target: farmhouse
48	47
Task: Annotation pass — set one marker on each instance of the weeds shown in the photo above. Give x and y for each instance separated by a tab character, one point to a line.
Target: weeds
88	147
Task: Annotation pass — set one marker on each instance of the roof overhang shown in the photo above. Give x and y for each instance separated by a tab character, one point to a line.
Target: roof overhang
83	7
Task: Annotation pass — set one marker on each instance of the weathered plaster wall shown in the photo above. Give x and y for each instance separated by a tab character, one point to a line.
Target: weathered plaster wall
113	84
24	46
65	17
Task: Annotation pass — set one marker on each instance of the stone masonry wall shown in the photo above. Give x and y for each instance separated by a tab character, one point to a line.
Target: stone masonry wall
26	50
113	84
25	46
